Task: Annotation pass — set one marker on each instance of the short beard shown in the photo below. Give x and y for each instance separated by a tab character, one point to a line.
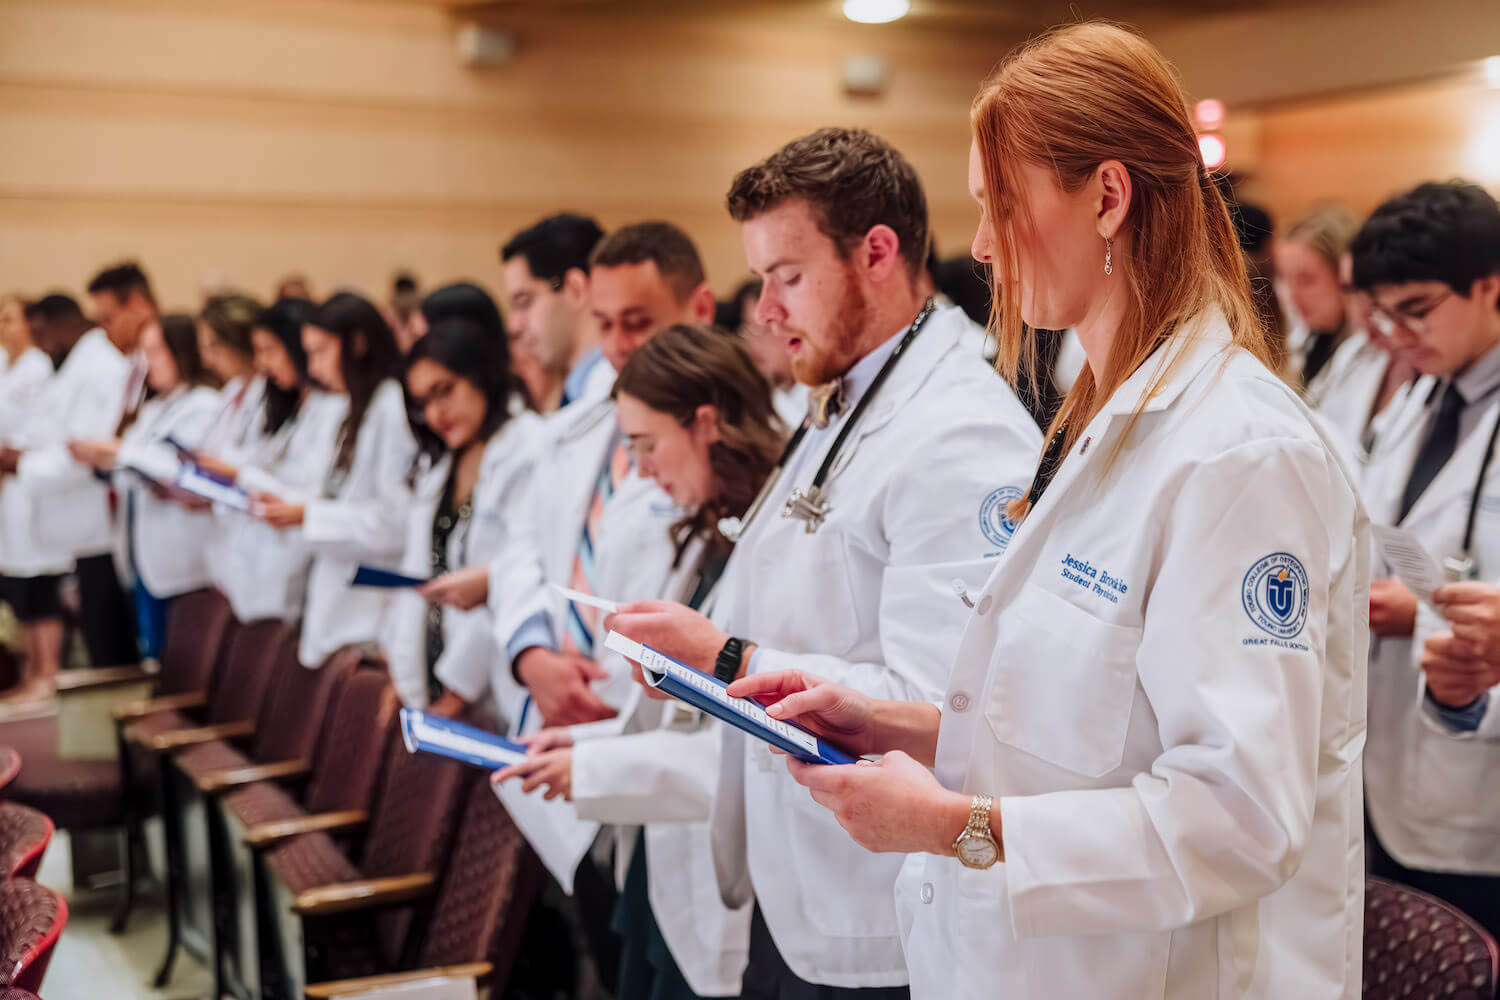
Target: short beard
849	320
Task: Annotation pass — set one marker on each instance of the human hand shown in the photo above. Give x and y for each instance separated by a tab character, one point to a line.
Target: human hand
551	738
842	715
1393	609
552	770
895	805
1455	676
464	589
559	684
277	512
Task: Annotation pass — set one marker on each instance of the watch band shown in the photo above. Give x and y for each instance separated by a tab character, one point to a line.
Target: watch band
727	664
979	817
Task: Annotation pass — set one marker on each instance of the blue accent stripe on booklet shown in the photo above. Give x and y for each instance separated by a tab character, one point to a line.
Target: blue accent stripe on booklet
435	734
710	695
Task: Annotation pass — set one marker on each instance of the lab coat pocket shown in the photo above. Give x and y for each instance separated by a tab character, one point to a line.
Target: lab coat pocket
1063	683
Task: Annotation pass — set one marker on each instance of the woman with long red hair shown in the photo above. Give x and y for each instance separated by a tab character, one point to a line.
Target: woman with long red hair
1144	780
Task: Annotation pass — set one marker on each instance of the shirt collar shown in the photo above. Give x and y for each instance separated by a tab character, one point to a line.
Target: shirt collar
857	380
578	379
1480	378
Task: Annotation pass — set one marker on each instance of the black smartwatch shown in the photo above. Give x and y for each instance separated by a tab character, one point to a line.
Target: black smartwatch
727	665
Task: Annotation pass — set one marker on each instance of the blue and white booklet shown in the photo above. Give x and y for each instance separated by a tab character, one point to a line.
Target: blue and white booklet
435	734
711	695
191	479
374	576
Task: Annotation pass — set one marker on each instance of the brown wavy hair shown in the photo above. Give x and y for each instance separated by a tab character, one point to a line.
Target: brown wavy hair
1070	100
685	367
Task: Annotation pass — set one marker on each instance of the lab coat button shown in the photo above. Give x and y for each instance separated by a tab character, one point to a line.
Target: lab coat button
959	702
926	892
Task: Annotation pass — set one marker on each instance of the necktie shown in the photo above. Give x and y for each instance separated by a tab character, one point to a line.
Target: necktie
825	402
1436	449
583	620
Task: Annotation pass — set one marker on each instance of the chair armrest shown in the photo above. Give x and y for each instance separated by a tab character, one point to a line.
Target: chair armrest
264	835
96	678
345	987
217	782
126	711
341	897
174	739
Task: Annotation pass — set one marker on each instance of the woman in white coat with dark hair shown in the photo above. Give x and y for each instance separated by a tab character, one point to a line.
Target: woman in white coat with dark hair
1144	777
359	513
159	542
701	422
478	443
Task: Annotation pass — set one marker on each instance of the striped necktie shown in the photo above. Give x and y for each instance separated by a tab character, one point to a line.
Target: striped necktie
583	620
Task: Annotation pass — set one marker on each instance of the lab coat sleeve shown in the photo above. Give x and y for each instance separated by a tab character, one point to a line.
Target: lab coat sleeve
1222	816
93	414
369	525
932	529
518	582
469	652
658	776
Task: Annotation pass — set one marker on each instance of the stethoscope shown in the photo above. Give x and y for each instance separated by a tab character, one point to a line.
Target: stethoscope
810	505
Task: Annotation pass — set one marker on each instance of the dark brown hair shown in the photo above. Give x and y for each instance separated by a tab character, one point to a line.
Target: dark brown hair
852	180
231	317
685	367
663	244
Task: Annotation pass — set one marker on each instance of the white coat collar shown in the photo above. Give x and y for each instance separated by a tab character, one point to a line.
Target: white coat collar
586	419
1187	353
943	333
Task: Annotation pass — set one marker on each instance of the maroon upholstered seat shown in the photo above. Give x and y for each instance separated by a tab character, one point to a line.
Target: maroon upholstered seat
24	836
31	920
10	766
309	861
11	993
1419	946
77	794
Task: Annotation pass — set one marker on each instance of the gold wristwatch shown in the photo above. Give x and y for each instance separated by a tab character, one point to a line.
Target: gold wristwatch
976	846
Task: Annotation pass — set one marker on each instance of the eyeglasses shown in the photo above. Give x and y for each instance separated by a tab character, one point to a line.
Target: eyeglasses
1411	318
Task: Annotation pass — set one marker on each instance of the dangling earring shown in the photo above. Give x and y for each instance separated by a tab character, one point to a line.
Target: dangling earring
1109	247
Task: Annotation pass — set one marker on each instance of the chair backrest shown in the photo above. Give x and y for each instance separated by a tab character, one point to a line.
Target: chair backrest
24	835
31	920
197	623
492	878
411	828
249	657
1416	945
297	705
352	752
10	766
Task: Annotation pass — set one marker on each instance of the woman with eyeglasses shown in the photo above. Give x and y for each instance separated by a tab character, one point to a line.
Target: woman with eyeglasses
477	443
700	421
1429	260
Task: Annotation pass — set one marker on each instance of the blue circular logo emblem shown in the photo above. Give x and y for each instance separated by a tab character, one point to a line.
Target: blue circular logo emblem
994	516
1275	595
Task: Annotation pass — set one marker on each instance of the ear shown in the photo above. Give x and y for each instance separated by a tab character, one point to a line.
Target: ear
706	421
701	304
1112	197
882	253
1487	291
575	287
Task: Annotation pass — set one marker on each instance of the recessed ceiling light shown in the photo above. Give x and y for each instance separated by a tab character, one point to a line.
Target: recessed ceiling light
876	11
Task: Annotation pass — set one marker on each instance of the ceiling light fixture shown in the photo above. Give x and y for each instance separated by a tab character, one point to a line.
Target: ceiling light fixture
1213	149
876	11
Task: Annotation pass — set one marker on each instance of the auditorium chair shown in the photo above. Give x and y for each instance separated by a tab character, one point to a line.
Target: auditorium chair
98	792
346	768
330	898
150	741
1419	946
24	835
10	766
32	918
11	993
281	747
489	883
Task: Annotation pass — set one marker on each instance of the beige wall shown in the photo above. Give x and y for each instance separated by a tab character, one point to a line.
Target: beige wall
241	139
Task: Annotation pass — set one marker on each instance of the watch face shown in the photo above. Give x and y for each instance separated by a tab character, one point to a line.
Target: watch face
976	852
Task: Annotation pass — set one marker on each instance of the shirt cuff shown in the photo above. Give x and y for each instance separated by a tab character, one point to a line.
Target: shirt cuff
534	631
1460	720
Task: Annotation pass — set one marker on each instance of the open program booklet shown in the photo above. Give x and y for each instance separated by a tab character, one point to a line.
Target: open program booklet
710	695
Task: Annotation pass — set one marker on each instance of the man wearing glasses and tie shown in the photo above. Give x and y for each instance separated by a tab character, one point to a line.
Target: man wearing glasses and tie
1430	262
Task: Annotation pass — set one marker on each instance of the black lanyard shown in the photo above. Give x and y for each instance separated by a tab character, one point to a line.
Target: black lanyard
1474	499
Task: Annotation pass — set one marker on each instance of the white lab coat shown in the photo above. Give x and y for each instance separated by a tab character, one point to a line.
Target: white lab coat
790	404
635	549
234	430
916	500
471	660
261	570
1178	785
167	540
1431	791
20	385
363	522
657	780
54	510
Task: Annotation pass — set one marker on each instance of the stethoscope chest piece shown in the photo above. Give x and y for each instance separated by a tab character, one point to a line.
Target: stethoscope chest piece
809	506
